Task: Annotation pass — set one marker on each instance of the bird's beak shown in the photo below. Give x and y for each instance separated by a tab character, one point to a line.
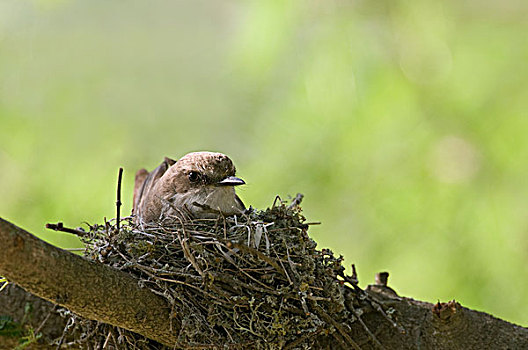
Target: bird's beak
231	181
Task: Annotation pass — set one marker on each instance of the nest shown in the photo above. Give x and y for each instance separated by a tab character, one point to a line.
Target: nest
249	281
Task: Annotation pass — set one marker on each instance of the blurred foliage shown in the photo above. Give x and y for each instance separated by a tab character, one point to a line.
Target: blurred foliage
404	123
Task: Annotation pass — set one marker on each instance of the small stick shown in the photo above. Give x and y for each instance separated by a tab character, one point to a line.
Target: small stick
354	274
277	198
296	201
60	227
340	329
294	344
45	319
371	335
118	202
375	304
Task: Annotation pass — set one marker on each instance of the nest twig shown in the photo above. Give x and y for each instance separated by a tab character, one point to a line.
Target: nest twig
250	281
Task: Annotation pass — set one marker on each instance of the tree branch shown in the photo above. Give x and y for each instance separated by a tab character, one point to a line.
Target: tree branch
441	326
88	288
102	293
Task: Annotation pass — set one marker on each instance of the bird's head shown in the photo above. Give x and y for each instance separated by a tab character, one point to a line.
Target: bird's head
197	170
201	184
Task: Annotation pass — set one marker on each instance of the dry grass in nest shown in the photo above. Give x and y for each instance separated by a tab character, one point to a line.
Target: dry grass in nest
250	281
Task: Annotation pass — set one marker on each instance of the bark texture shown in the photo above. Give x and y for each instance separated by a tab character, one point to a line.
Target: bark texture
442	326
102	293
88	288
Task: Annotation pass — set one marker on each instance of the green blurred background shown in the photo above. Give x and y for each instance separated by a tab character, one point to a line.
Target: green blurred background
404	123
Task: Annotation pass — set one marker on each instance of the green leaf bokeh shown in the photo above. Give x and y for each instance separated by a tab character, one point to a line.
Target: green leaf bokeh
403	123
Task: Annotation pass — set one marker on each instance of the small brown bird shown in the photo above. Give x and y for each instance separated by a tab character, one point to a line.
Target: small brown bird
199	185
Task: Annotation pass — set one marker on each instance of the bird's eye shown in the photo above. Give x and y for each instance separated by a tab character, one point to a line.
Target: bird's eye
194	176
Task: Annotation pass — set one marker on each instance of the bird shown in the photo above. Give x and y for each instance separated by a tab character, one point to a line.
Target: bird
198	185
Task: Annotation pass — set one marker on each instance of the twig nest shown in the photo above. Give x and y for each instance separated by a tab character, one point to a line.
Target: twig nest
249	281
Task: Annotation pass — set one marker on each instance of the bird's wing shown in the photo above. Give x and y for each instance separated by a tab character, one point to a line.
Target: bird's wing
239	201
145	181
141	176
